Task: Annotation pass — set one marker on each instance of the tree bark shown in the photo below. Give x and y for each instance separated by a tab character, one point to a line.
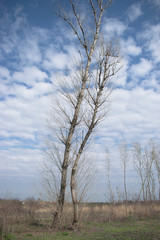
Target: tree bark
74	200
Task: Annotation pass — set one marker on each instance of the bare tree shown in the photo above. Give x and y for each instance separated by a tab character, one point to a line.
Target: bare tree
51	179
95	98
81	101
50	173
156	158
111	193
143	164
84	177
138	163
124	160
150	181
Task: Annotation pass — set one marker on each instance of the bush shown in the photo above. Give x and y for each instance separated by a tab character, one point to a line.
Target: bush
9	214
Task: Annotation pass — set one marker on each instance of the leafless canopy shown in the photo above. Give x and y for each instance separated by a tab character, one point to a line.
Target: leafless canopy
82	98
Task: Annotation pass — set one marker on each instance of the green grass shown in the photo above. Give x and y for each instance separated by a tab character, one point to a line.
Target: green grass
124	230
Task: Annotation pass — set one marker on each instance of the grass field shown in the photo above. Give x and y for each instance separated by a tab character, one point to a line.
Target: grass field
124	230
97	222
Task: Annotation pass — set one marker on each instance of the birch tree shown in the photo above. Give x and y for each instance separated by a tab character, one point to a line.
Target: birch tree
138	163
143	164
124	160
83	99
155	151
150	180
108	164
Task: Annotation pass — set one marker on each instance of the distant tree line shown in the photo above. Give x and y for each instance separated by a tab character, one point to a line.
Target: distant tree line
146	162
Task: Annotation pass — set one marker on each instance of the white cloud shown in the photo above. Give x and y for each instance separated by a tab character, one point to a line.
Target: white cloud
10	40
23	118
134	116
29	75
55	59
21	39
29	52
24	115
134	12
4	73
153	81
152	37
41	88
120	77
18	161
141	69
113	27
129	48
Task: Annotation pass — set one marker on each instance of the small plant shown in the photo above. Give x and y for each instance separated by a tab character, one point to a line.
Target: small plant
31	208
65	233
9	237
29	235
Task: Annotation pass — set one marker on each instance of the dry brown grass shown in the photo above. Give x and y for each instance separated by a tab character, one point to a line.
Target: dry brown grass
41	213
109	212
36	217
9	214
103	212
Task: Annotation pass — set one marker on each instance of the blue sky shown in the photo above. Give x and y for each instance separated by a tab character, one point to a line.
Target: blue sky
35	47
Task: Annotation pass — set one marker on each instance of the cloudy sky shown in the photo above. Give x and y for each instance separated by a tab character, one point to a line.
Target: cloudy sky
36	46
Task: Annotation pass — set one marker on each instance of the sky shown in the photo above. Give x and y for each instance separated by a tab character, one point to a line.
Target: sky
35	47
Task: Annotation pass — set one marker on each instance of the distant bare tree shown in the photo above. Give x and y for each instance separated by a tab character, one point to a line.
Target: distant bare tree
143	163
150	180
156	157
138	163
124	160
111	193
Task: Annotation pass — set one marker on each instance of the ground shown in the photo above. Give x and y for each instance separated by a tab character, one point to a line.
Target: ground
122	230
